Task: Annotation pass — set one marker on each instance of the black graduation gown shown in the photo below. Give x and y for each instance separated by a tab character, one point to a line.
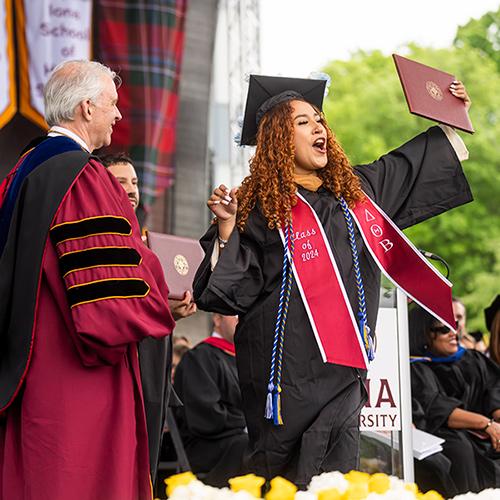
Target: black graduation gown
320	402
471	383
155	361
211	421
433	472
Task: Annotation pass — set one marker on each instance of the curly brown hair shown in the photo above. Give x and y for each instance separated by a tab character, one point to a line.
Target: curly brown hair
271	180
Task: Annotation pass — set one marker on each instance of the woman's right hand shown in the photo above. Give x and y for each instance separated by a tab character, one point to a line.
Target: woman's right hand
223	203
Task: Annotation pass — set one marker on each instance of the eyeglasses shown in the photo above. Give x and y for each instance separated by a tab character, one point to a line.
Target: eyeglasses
441	330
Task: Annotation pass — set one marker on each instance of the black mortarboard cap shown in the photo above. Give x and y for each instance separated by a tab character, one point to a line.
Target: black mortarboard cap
490	312
275	89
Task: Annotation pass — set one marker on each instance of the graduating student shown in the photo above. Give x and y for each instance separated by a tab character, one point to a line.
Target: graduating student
304	339
78	291
459	392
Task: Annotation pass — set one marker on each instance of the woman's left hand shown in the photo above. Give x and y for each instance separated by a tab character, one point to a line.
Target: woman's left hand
457	88
493	432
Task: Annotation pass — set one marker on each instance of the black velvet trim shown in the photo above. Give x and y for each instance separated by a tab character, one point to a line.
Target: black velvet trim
97	257
115	288
91	226
37	203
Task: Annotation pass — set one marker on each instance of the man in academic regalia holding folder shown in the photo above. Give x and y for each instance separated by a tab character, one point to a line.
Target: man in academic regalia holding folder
155	355
78	290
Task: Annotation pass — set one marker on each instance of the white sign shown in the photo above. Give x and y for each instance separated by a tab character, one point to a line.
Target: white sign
382	410
54	31
7	83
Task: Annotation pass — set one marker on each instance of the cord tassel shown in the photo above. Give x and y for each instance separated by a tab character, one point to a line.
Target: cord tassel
371	348
364	329
269	402
277	407
273	400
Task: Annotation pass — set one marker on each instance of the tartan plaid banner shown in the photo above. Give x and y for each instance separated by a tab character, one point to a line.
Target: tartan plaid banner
143	41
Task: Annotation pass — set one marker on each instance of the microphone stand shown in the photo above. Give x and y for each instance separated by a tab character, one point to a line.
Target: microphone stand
434	256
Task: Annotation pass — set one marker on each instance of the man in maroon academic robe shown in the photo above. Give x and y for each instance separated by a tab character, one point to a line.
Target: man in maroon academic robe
78	291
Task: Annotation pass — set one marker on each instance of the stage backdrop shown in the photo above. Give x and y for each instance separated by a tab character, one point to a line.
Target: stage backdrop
48	32
7	76
143	41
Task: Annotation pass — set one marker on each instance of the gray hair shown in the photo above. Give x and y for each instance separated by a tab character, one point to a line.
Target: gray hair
70	83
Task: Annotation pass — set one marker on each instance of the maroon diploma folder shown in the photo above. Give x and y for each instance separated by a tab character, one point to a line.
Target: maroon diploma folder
427	93
179	258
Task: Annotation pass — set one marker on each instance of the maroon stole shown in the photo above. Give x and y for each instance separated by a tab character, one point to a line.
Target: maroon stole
222	344
402	263
322	290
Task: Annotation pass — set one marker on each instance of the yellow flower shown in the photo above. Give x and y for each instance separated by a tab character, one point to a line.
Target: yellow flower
249	483
430	495
379	483
281	489
356	477
356	491
182	479
412	487
330	494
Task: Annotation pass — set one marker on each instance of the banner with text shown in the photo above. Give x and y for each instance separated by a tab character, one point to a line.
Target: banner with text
382	410
48	33
7	76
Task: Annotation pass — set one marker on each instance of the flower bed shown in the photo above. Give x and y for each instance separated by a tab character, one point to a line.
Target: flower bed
327	486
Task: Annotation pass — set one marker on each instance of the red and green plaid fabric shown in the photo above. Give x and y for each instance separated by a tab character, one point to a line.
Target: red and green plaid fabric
143	41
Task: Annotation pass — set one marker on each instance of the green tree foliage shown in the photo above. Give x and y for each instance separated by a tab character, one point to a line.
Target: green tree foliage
366	109
482	34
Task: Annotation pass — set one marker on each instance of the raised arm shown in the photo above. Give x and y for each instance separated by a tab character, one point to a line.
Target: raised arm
423	177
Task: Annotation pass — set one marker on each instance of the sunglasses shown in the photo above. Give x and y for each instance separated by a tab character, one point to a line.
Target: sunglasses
441	330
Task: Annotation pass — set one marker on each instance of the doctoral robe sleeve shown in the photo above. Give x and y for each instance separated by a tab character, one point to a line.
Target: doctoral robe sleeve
420	179
114	284
429	396
236	281
198	381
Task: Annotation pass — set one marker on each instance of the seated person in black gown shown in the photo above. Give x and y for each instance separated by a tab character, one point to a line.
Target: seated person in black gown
459	392
492	319
211	422
433	472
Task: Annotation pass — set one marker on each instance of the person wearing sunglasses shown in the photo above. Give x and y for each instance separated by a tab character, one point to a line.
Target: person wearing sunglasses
459	391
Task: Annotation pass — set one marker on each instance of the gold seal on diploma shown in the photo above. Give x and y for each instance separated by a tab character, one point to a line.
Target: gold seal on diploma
434	90
181	265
